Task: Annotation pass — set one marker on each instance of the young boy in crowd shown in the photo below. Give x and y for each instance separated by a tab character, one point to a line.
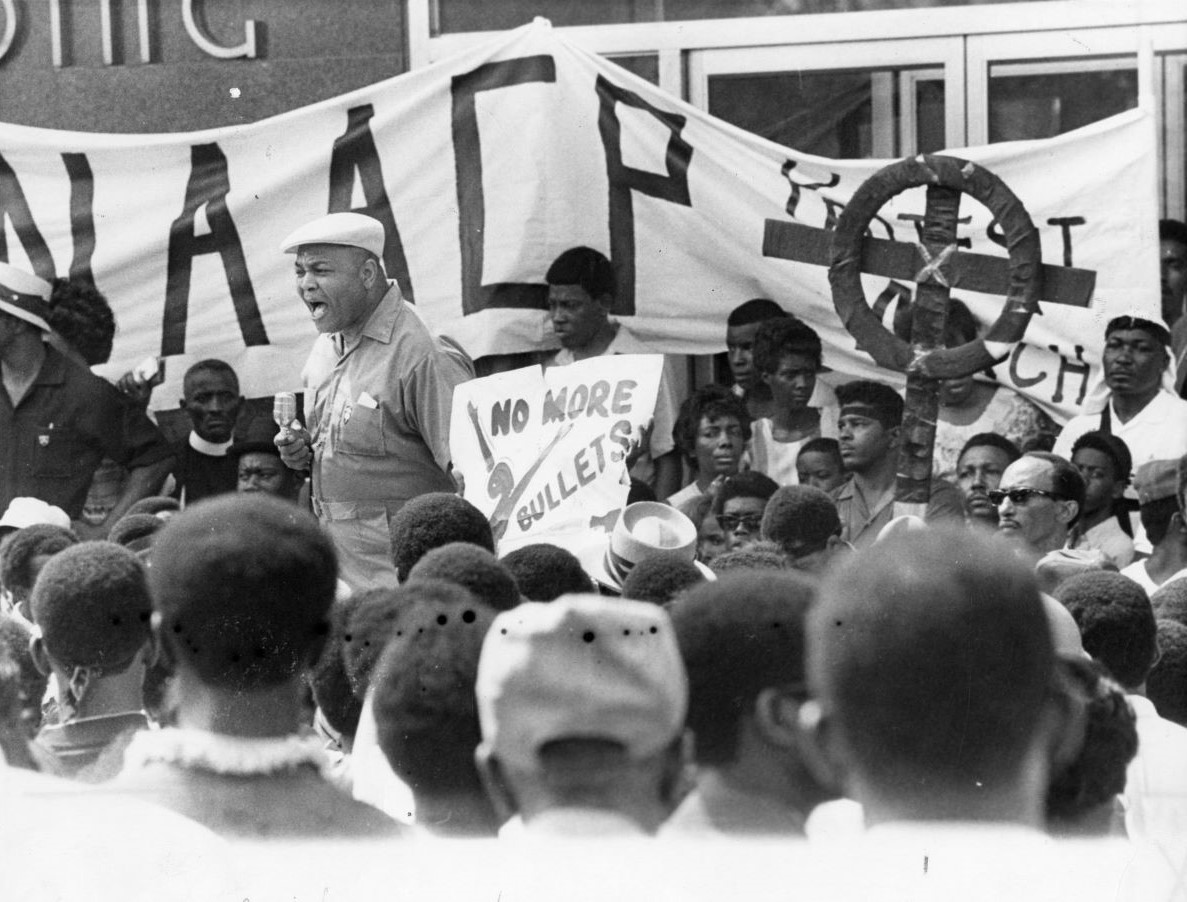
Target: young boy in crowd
1104	462
819	464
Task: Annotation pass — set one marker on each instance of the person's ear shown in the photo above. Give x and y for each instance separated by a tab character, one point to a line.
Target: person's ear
494	781
776	717
369	272
1068	510
606	302
1065	719
817	744
895	435
40	656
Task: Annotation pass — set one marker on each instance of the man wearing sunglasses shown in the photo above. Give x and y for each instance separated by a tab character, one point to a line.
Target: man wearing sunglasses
1038	501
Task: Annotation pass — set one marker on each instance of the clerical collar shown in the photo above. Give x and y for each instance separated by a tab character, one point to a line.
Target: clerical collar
210	449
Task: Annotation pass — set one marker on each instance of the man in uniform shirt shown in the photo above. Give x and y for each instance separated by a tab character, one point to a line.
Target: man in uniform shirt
378	393
58	420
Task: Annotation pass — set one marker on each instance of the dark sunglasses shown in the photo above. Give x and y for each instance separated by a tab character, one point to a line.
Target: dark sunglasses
730	522
1020	496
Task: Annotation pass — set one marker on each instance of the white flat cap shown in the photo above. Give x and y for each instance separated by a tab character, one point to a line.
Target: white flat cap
350	229
24	295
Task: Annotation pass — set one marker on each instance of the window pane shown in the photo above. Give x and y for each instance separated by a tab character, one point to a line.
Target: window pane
1044	105
468	15
645	65
838	114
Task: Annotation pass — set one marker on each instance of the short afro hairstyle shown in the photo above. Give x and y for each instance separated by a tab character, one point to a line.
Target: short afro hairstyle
756	310
747	484
1172	230
92	606
1111	447
1166	684
884	402
1097	774
1169	601
759	556
18	550
660	579
822	445
432	520
370	621
800	519
738	636
471	568
327	679
426	712
926	630
585	267
135	531
545	572
15	636
776	338
992	440
79	312
1116	623
243	584
709	402
211	365
155	505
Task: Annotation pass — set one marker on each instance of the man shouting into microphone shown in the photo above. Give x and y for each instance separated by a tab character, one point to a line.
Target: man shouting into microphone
378	392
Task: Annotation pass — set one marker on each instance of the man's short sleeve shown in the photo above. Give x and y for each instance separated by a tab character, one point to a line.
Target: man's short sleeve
428	403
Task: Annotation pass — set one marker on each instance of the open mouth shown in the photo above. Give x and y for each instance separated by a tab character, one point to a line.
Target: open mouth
316	309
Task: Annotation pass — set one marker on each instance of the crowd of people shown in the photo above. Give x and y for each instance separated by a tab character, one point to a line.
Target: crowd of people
301	632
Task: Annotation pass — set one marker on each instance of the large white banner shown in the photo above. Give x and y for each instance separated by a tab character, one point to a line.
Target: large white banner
486	166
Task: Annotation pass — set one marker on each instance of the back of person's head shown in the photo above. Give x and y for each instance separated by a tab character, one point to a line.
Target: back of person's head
544	571
1169	601
931	657
585	267
25	551
14	736
1116	623
135	531
800	520
369	622
158	505
759	556
582	701
1159	491
15	636
1166	684
426	713
79	312
822	445
738	637
756	310
777	338
431	520
243	586
1066	481
710	402
1085	789
747	484
661	579
876	399
328	681
472	568
92	606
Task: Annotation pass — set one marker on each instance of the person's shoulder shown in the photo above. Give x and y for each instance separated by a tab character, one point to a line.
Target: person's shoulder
843	492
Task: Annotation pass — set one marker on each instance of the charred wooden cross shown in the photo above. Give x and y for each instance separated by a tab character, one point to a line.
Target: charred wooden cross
936	265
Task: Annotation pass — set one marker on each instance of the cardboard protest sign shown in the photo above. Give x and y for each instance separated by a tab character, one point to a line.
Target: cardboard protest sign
544	451
484	167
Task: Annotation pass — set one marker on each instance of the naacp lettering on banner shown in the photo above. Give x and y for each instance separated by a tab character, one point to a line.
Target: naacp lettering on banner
544	452
475	165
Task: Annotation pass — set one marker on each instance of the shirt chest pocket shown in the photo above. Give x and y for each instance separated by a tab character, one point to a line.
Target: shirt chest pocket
53	452
364	432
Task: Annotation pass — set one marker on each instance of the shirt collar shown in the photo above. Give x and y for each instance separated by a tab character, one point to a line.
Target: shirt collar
381	325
